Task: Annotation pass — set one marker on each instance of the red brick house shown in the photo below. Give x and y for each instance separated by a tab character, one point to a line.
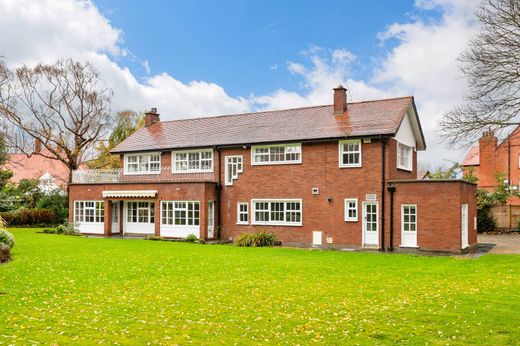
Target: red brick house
341	175
487	159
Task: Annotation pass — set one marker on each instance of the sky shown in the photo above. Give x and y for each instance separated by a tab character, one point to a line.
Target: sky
200	58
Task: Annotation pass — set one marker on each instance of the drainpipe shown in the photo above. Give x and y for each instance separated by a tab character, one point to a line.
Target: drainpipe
391	189
383	145
219	188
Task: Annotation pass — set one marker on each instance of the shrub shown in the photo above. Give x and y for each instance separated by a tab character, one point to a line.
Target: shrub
153	237
67	229
57	202
5	253
26	217
255	239
191	238
7	239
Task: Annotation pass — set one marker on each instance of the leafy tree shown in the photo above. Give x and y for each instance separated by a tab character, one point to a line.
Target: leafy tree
29	192
56	201
452	172
490	65
127	122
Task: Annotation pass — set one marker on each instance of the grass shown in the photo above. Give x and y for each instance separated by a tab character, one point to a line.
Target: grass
74	290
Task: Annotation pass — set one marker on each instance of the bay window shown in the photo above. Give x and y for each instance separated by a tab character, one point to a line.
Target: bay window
404	157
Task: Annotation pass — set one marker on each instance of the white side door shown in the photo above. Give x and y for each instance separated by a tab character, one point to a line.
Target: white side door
408	225
370	224
464	226
115	217
211	219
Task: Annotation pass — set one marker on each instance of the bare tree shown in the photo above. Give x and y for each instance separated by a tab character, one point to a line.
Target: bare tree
65	106
491	65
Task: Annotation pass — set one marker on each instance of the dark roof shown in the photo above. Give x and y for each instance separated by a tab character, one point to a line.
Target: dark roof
367	118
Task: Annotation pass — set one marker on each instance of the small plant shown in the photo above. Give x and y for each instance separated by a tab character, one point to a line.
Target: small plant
67	229
7	239
255	239
191	238
153	237
48	231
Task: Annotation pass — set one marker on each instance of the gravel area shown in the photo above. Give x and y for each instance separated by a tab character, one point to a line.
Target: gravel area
503	243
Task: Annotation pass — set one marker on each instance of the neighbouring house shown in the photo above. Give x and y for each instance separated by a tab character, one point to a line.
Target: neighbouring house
52	173
489	159
341	175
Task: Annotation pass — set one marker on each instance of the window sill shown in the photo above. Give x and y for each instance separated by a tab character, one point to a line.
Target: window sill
242	223
275	163
408	246
356	220
351	166
404	169
276	225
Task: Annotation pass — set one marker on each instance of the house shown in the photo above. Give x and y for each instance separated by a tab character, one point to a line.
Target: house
488	160
341	175
52	173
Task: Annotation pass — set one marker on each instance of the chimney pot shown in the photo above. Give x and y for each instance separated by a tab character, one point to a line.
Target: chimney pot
37	145
340	100
151	117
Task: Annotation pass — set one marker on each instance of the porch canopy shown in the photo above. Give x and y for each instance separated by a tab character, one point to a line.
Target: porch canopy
130	194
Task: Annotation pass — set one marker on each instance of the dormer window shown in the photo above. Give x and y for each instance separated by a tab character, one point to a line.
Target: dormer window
149	163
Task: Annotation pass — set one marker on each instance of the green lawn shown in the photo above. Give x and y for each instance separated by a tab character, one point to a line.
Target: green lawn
74	290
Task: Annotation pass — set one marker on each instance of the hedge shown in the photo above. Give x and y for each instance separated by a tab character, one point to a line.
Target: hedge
26	217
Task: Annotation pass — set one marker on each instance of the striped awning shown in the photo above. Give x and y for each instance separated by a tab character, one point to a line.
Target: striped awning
129	193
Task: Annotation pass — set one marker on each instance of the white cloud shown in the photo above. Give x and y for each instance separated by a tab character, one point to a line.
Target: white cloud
421	61
47	30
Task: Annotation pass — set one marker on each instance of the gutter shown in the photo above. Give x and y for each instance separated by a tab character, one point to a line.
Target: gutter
219	189
383	146
391	189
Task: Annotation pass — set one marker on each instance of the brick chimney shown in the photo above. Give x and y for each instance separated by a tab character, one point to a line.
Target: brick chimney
151	117
487	153
37	146
340	100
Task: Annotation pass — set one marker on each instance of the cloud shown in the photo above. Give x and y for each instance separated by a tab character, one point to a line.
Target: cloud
419	58
47	30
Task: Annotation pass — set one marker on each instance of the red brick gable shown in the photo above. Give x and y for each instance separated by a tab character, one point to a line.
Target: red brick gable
368	118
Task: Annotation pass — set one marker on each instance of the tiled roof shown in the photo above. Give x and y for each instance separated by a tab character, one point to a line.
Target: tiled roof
368	118
34	166
472	157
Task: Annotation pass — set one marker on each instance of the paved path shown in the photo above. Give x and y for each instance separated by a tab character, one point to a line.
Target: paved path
504	243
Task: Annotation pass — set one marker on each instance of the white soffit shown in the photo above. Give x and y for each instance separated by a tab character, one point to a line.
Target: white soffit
129	193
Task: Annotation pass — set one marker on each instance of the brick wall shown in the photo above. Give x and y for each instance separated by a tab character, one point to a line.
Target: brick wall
438	212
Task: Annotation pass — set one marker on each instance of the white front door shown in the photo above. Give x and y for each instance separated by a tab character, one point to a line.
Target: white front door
115	217
464	225
211	219
408	225
370	224
139	217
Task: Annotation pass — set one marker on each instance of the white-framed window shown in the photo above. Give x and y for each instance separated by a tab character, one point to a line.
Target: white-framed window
140	212
350	153
200	160
404	157
276	154
234	166
180	213
148	163
89	211
242	213
409	218
351	209
276	212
